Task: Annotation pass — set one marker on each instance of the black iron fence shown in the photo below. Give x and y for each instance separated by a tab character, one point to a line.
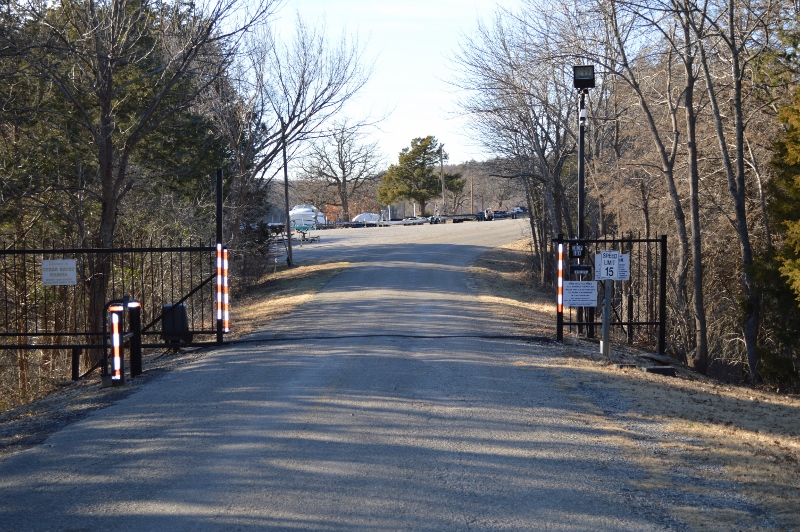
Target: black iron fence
33	314
638	304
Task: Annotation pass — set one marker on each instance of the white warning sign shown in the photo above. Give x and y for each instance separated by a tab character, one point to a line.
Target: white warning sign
59	272
580	293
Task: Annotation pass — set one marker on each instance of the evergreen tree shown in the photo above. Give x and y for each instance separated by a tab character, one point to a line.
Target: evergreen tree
784	189
776	272
415	176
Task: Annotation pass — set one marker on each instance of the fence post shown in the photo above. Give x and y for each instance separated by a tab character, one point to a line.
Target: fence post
590	312
630	317
76	363
135	342
105	376
662	299
560	291
219	294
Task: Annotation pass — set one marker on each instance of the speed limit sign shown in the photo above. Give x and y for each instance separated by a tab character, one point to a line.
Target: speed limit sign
605	265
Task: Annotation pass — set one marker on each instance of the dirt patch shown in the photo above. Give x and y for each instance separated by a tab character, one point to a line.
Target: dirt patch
727	456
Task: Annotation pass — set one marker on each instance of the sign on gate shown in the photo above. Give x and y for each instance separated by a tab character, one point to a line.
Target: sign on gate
623	268
59	272
580	293
612	265
606	265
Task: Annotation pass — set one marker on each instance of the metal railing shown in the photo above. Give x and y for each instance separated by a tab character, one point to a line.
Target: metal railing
159	275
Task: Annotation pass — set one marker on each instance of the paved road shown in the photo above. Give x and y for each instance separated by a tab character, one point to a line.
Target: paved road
389	402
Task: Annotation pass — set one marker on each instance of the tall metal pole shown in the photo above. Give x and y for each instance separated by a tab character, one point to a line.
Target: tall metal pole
289	260
219	206
582	196
581	171
560	292
662	297
218	257
581	199
441	170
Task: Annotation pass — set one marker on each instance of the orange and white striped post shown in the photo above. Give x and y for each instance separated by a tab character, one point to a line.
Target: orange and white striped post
220	327
117	369
223	293
560	293
226	306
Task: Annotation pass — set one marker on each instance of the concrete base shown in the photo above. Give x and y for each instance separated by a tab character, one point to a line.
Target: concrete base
669	371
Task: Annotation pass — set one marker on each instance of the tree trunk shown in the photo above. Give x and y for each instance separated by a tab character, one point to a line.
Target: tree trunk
700	359
736	187
667	157
343	197
100	273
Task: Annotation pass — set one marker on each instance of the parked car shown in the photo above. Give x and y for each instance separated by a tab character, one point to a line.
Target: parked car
367	217
498	215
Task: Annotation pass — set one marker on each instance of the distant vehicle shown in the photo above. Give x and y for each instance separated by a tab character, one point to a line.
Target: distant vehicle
306	216
486	215
498	215
519	212
367	217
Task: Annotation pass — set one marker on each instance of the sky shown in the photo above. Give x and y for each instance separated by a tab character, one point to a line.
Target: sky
411	43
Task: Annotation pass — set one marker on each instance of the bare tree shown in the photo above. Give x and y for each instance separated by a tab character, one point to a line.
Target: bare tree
343	162
739	32
519	103
672	21
625	30
287	91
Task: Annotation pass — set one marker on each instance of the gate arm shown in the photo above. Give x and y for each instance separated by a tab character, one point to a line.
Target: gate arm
184	298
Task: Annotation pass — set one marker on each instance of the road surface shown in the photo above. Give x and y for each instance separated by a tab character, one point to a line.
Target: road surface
389	402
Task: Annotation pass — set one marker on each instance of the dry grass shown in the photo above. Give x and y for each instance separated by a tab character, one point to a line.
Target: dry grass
707	436
278	293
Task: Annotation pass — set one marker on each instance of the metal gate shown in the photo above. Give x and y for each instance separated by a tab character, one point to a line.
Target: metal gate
638	306
36	316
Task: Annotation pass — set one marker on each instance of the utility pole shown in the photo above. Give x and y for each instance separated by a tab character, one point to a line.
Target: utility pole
289	260
441	170
472	193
